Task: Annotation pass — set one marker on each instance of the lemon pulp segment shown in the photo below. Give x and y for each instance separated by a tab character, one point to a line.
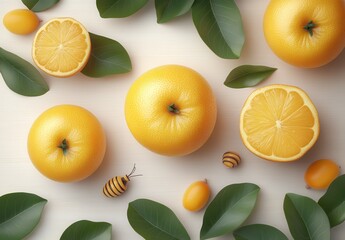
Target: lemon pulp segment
61	47
279	123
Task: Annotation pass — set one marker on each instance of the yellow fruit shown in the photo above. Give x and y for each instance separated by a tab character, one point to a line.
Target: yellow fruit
196	196
61	47
279	123
305	33
171	110
66	143
321	173
21	21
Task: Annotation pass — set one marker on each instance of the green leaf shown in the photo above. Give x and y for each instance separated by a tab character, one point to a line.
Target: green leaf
247	76
39	5
229	209
87	230
119	8
219	24
333	201
155	221
306	219
107	57
167	10
259	232
21	76
19	214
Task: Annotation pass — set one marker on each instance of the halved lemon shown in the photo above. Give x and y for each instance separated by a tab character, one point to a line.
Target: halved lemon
61	47
279	123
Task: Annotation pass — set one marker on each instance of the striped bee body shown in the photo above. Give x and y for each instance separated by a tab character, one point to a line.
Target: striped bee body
117	185
231	159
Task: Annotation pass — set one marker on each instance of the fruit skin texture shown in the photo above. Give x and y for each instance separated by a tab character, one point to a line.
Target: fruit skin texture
21	21
321	173
284	23
83	135
150	110
196	196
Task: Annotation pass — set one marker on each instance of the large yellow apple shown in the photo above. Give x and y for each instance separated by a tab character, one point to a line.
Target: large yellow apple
171	110
66	143
305	33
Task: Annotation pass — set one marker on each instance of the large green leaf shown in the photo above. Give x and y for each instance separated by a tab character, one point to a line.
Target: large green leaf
21	76
119	8
259	232
87	230
39	5
219	24
247	76
19	214
229	209
333	201
167	10
306	219
155	221
107	57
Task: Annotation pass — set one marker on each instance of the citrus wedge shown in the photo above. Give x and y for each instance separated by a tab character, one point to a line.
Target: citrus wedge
279	123
61	47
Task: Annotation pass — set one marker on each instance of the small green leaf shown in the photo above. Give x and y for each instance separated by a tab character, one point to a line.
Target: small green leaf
219	24
154	221
87	230
259	232
333	201
19	214
119	8
107	57
229	209
167	10
247	76
306	219
21	76
39	5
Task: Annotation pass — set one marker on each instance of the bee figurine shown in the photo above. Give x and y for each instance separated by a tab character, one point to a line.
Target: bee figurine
231	159
118	184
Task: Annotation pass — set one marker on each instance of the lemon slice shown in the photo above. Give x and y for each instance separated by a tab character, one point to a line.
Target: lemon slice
279	123
61	47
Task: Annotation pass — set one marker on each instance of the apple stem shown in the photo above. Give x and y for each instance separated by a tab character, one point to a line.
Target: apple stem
309	27
173	109
64	146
